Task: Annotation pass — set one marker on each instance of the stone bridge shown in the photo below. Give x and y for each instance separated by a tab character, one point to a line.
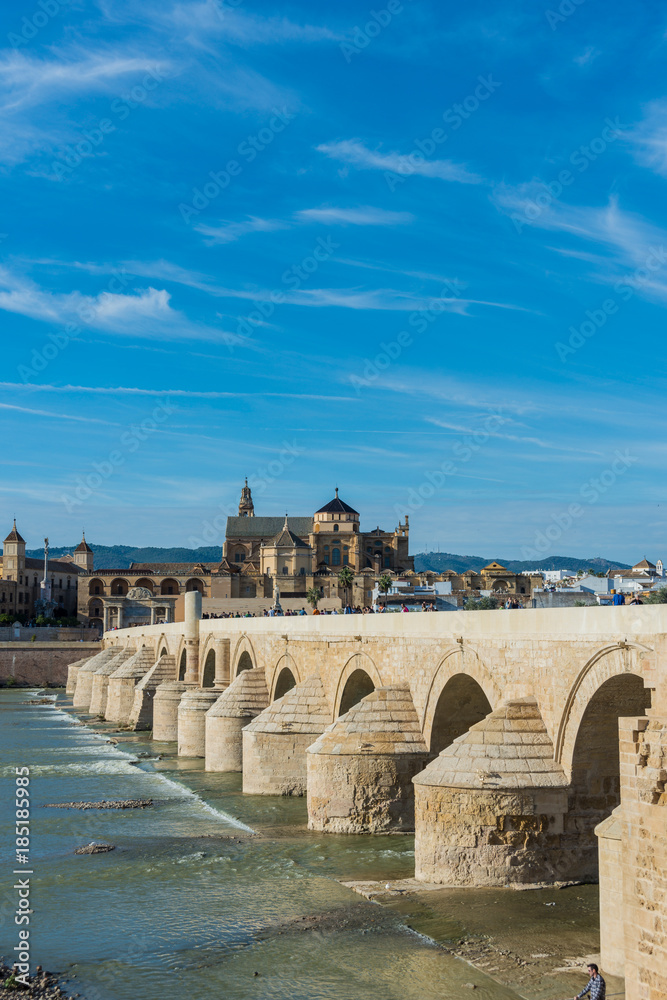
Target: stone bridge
493	735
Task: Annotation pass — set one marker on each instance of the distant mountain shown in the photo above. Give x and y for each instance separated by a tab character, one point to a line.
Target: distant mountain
438	562
120	556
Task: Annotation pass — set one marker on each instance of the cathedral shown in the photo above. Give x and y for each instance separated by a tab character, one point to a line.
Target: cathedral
302	552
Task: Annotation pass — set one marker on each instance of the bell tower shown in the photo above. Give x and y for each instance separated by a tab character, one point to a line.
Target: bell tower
13	558
83	555
246	506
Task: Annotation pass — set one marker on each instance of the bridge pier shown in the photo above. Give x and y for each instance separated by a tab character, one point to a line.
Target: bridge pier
122	683
238	705
100	684
191	720
490	809
72	673
141	713
275	743
166	700
84	680
360	770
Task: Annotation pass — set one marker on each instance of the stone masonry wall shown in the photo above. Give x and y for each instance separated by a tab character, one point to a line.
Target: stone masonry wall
644	855
41	664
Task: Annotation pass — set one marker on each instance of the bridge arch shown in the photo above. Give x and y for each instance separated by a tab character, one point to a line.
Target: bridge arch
243	657
358	678
182	665
607	662
462	692
285	676
208	672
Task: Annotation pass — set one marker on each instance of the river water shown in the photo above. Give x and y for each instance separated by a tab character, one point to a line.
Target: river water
209	887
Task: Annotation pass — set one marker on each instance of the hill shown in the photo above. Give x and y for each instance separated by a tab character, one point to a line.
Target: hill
438	562
120	556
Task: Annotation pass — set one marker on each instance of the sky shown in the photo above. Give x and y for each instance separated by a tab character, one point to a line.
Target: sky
417	251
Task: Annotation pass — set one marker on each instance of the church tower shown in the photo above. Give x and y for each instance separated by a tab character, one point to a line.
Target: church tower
246	506
83	555
13	558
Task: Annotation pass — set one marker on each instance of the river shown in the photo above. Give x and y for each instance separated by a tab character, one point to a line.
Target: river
210	893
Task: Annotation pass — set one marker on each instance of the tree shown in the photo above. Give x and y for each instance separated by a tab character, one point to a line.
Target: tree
483	604
346	579
384	583
313	597
657	597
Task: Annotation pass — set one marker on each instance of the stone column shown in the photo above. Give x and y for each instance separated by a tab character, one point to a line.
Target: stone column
105	618
643	816
120	616
490	809
192	709
243	700
191	632
612	929
222	663
360	770
152	614
275	743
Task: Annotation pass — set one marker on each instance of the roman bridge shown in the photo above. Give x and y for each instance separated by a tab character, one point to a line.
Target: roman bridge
494	735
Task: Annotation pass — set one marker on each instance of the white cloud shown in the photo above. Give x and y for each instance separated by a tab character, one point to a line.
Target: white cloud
229	232
355	153
144	313
636	250
365	215
26	80
121	390
649	139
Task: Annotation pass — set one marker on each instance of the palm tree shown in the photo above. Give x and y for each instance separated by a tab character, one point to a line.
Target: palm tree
346	579
384	584
313	597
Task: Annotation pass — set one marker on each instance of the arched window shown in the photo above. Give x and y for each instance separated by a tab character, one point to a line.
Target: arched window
387	562
285	571
335	527
302	572
336	557
346	559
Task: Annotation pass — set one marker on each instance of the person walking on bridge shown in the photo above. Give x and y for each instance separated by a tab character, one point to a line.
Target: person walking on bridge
596	988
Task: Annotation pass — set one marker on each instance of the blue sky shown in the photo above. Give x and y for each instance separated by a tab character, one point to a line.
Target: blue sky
417	251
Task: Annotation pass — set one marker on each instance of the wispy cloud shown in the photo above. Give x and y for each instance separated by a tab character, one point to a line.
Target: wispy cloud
354	152
363	216
649	139
26	80
124	390
56	416
144	313
539	442
229	232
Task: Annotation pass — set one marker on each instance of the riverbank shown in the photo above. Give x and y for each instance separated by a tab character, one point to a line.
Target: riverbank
537	942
